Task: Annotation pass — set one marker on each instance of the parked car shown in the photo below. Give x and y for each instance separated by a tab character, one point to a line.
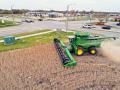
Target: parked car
106	27
7	16
88	26
118	24
28	21
40	19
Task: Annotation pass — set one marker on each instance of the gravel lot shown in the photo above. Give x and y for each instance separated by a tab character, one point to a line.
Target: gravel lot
39	68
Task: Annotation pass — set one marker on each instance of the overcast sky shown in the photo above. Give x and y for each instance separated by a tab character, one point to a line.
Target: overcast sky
96	5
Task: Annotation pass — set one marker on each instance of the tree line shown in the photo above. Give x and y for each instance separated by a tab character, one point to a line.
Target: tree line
15	11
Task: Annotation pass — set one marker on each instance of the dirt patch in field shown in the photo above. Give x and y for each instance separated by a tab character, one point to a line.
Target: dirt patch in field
39	68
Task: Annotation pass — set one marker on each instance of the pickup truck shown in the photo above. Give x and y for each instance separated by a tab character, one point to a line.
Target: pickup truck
88	26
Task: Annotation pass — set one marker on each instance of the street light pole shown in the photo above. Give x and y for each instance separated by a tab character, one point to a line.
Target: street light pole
90	17
67	16
12	11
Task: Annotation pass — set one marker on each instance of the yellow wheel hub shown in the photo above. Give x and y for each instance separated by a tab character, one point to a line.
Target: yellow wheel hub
80	52
93	51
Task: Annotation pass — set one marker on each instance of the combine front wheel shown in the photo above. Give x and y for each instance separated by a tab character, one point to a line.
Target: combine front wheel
80	51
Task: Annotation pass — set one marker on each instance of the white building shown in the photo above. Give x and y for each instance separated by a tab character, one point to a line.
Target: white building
44	14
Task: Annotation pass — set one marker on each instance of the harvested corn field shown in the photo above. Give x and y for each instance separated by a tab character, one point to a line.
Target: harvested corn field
39	68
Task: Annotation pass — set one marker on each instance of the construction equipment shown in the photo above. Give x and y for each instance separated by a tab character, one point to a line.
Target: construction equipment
64	54
100	23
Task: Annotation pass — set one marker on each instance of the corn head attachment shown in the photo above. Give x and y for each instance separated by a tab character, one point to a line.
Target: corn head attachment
65	55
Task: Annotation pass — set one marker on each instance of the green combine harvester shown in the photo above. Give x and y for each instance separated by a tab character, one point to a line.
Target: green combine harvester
80	43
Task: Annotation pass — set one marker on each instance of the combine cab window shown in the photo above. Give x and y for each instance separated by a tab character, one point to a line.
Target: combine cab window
71	38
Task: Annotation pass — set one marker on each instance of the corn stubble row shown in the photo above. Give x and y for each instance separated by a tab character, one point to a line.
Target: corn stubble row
39	68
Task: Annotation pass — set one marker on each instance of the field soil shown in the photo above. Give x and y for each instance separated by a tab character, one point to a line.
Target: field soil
40	68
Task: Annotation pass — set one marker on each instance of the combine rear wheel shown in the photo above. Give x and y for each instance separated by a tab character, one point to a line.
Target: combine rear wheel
93	51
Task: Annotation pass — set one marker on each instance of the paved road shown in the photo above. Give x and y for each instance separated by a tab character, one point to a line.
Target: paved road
27	27
74	25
